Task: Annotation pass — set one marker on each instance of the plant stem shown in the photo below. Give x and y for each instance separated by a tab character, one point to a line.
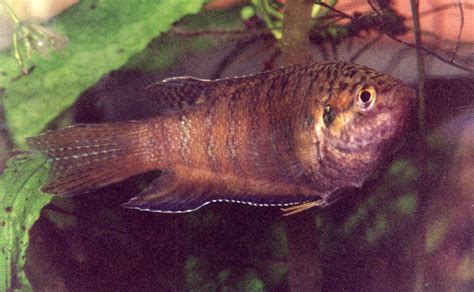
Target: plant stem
420	237
10	12
295	44
304	266
420	65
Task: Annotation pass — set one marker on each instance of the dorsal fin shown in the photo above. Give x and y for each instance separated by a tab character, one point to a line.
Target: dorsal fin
180	92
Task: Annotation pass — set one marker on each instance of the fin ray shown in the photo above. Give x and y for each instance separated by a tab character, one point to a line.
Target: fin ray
179	93
173	193
85	157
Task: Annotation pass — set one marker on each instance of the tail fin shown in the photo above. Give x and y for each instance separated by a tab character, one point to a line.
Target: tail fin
89	156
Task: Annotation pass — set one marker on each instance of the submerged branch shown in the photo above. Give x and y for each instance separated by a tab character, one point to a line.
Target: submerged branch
295	44
420	240
304	264
420	65
453	63
461	26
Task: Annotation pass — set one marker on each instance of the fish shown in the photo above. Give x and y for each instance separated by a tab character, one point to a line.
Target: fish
291	137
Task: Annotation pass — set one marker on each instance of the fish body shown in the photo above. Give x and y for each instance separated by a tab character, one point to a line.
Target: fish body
289	137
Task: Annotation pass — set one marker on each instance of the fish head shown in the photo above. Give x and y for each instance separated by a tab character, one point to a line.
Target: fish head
364	112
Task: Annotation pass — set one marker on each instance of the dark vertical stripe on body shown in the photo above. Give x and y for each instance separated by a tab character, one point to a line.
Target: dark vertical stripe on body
231	138
275	129
310	94
254	104
300	103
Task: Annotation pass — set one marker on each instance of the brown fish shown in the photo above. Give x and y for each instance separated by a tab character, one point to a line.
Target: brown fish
290	137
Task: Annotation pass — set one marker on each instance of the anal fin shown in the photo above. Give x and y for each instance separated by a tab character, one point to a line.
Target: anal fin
187	191
169	194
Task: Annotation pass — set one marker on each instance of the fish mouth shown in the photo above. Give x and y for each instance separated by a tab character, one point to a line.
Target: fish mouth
397	107
396	113
402	93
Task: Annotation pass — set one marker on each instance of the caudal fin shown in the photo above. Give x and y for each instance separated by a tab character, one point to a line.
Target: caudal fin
89	156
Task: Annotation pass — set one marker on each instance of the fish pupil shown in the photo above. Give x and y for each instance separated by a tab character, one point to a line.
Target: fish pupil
328	115
365	96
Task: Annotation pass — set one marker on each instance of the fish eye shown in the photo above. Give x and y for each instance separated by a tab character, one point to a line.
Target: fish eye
366	98
328	115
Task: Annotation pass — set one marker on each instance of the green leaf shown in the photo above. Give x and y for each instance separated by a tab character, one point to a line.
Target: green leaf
198	275
436	234
224	275
103	35
251	282
355	219
379	229
404	171
279	240
20	203
406	204
247	12
278	271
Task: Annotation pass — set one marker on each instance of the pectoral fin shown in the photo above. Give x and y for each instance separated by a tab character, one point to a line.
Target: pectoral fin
303	207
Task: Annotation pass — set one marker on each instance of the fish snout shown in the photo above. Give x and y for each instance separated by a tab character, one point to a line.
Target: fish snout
403	94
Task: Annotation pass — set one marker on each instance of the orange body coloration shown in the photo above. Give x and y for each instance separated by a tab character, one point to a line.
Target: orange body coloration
289	137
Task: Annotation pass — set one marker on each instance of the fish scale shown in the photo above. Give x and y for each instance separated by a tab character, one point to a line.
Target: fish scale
291	137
